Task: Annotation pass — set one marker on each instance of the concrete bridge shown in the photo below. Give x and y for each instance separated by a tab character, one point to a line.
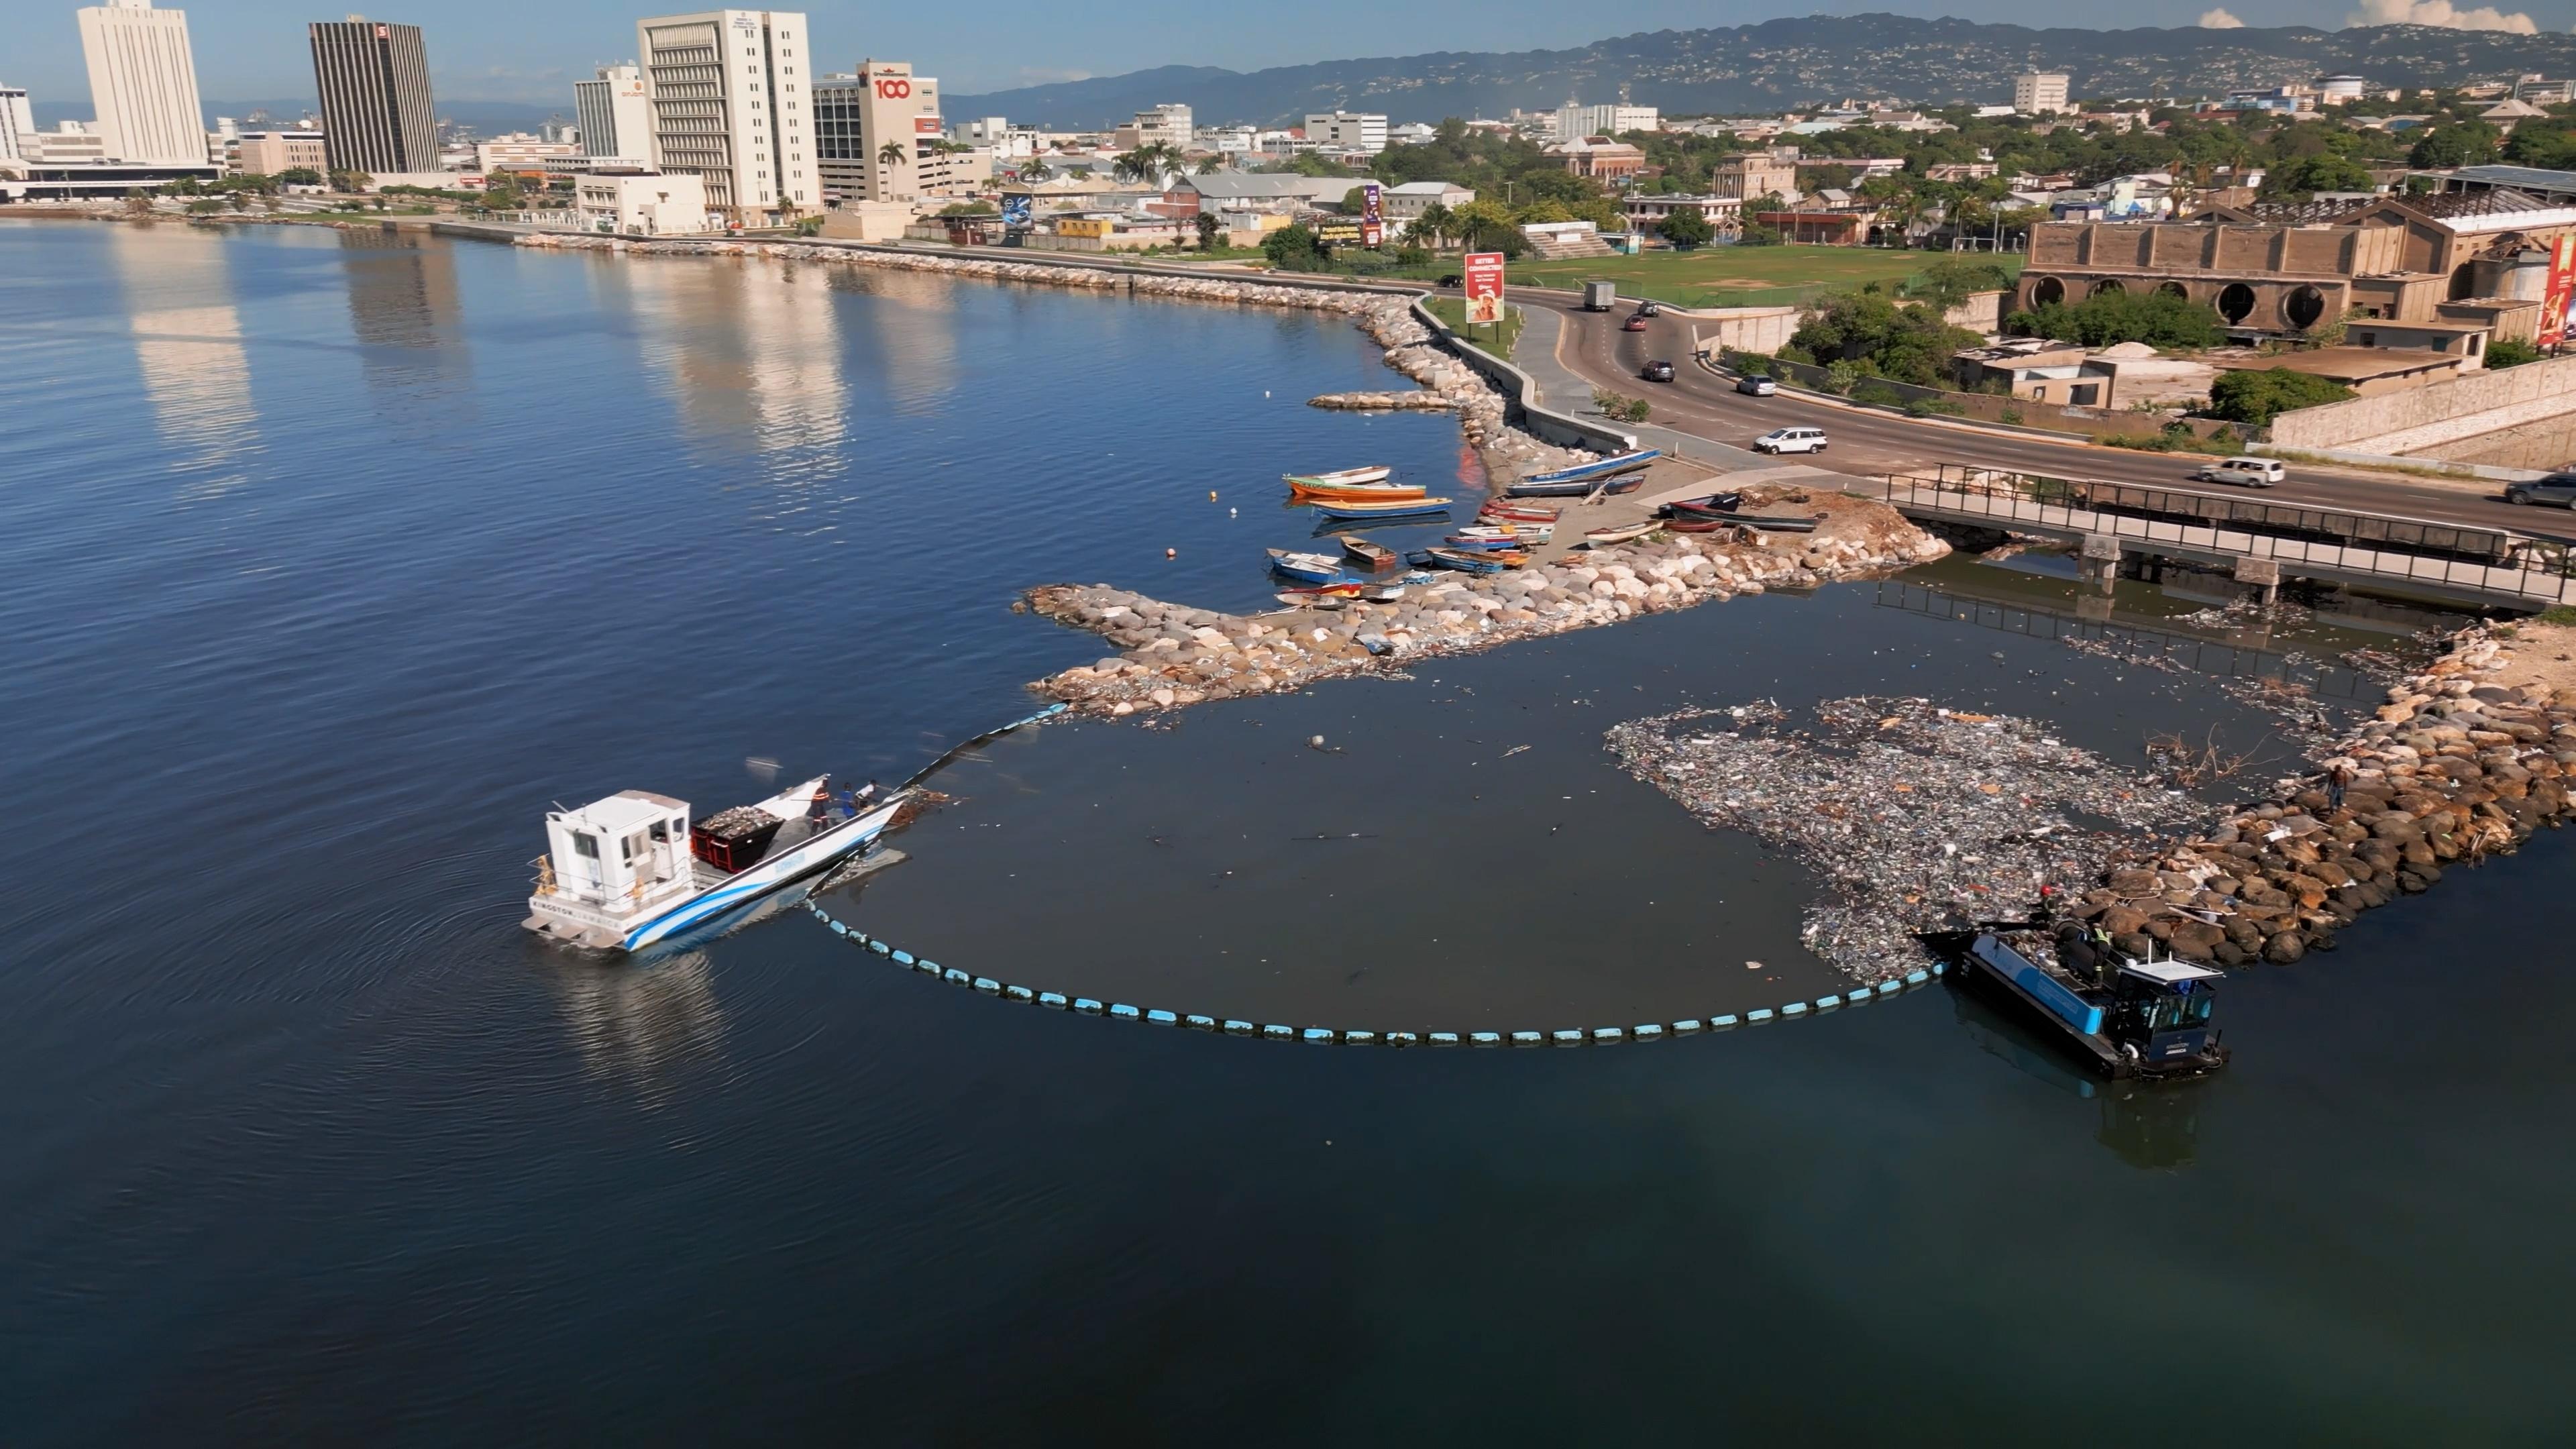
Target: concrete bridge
2259	544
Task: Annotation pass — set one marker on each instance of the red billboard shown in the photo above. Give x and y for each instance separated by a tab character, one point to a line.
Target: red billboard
1482	280
925	125
1372	215
2561	292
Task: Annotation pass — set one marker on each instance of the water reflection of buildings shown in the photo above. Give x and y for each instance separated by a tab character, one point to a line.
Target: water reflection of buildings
188	346
639	1024
751	357
406	315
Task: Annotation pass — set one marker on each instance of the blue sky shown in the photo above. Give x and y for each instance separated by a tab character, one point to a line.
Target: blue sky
514	50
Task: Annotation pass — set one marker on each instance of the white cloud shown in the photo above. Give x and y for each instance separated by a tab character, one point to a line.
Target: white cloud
2219	20
2440	13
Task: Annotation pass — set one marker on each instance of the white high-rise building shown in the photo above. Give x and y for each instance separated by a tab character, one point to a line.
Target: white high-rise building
17	119
1581	123
859	116
2040	93
143	83
612	114
728	94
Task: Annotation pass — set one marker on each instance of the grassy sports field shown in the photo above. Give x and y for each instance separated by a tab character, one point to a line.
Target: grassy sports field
1739	276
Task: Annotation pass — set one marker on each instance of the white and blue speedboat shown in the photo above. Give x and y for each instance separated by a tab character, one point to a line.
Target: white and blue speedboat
628	872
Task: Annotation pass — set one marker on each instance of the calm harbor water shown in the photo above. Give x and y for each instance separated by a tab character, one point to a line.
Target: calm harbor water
326	560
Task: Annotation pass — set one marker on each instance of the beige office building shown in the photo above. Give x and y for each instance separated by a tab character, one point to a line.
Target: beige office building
858	116
266	153
143	83
611	111
728	97
2040	93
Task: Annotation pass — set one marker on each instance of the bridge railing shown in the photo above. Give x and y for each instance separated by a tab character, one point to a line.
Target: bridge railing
2533	571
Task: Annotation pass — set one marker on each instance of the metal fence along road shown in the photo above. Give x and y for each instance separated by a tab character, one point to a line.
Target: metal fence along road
2312	543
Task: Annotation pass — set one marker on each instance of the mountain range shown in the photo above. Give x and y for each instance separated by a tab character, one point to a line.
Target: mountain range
1790	62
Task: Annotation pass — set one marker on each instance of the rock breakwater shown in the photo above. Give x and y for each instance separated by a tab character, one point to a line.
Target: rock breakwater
1174	655
2455	767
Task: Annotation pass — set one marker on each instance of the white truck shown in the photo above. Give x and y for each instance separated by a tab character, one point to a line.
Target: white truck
1600	296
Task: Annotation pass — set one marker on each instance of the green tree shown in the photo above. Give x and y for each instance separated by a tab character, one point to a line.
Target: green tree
1759	234
1686	228
2463	144
1035	169
2298	179
348	182
1952	280
1208	227
1433	224
2158	319
2255	398
893	153
2552	147
1211	165
1292	248
2511	352
1307	163
241	201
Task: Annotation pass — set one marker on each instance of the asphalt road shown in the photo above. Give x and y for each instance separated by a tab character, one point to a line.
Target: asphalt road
1869	442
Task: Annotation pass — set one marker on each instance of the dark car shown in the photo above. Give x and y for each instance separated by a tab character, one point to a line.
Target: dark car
1450	279
1650	309
1756	385
1633	324
2558	490
1656	371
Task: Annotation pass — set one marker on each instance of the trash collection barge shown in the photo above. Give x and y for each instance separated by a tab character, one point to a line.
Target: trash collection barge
2147	1019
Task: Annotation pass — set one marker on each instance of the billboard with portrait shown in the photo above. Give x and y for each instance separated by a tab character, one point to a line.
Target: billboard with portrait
1481	279
2560	294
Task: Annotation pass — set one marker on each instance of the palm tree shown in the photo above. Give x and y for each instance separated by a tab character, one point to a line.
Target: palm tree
892	153
1211	166
1433	223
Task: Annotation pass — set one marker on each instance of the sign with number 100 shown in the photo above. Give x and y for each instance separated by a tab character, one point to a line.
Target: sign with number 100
894	88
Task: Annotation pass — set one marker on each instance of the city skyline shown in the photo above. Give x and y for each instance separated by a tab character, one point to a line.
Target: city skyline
253	51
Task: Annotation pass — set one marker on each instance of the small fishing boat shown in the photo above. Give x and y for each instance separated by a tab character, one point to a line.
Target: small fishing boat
1579	488
627	872
1344	510
1339	478
1700	525
1382	593
1313	568
1375	555
1596	470
1340	589
1619	533
1474	561
1716	505
1310	598
1483	542
1779	525
1357	492
1500	511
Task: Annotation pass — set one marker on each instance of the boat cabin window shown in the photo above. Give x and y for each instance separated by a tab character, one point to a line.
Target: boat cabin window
661	830
584	845
634	845
2166	1011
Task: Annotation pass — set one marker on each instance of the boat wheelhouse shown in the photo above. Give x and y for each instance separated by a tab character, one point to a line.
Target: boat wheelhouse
630	871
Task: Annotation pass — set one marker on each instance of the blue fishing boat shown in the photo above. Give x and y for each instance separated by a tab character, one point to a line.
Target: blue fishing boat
1346	511
1552	483
1476	562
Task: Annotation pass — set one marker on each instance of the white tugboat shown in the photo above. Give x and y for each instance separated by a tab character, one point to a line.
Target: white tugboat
624	873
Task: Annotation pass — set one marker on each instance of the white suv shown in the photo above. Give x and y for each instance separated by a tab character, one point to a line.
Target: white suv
1791	440
2251	472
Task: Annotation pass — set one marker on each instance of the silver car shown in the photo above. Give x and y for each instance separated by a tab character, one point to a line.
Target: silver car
1755	384
2558	490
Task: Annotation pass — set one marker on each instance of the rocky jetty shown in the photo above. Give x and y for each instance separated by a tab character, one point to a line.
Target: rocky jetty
1173	655
2455	767
1383	402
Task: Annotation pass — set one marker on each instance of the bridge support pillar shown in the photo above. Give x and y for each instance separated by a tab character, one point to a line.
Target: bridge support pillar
2099	562
2263	575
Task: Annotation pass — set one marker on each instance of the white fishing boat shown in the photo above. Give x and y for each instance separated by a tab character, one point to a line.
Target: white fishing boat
627	872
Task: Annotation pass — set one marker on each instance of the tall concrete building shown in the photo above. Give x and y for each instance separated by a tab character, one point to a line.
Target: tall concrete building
612	114
1347	131
728	94
17	119
377	116
2040	93
143	82
858	116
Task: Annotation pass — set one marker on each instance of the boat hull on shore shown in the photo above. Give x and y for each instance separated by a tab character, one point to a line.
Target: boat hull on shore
1348	512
